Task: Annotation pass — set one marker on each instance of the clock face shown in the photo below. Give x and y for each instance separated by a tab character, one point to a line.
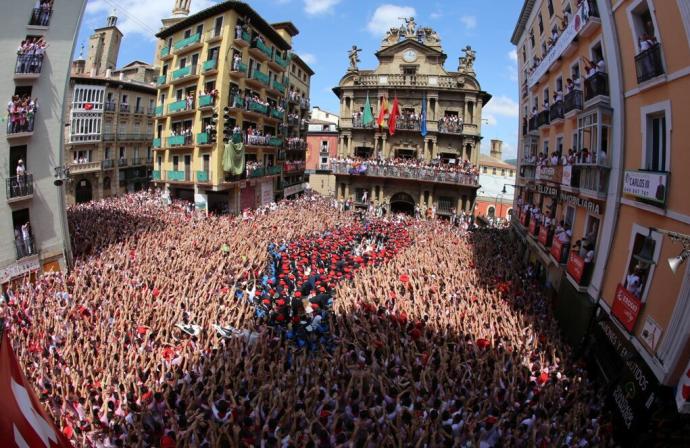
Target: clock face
410	56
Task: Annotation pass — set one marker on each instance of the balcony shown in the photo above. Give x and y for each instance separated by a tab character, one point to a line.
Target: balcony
203	177
179	141
158	111
261	77
297	144
278	87
415	174
260	50
593	182
206	101
276	142
107	164
407	124
84	138
109	106
583	21
259	108
28	66
40	17
280	61
25	246
572	102
85	167
452	127
180	107
109	136
293	167
183	74
156	175
214	35
434	81
262	172
277	114
556	112
177	176
156	143
210	66
20	125
122	162
124	108
203	138
542	118
597	87
165	53
532	124
239	69
187	44
577	269
140	110
237	103
19	188
242	39
161	80
648	64
358	124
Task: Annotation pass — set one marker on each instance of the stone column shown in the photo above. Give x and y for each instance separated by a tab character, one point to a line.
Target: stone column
347	191
349	145
386	154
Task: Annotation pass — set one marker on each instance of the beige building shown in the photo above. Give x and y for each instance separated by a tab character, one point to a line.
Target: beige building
32	217
604	89
411	68
110	121
299	82
229	62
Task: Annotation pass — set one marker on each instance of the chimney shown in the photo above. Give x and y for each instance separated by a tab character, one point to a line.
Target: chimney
92	72
122	76
496	149
108	73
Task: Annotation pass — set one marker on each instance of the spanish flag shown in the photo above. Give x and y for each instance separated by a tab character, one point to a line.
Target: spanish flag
383	110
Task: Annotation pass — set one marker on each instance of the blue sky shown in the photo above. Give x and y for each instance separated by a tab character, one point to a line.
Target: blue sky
328	28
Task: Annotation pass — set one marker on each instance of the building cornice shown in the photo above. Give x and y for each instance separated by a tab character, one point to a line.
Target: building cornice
525	13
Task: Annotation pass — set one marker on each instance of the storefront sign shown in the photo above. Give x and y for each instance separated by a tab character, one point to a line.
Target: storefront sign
550	173
648	185
547	190
576	266
544	236
19	268
626	307
633	391
651	333
567	175
557	249
294	189
590	206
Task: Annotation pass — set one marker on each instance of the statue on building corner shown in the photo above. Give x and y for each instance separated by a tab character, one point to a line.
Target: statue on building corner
410	27
354	58
470	56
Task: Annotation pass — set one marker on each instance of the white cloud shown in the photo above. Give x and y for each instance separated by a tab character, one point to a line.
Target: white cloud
386	16
137	17
512	73
512	55
503	106
309	58
317	7
435	15
470	22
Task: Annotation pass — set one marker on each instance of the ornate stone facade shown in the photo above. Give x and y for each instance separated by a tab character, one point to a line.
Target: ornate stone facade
411	69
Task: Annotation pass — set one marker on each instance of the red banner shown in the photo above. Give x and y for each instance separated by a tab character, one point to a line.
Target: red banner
557	249
576	266
23	421
544	235
523	218
626	307
533	227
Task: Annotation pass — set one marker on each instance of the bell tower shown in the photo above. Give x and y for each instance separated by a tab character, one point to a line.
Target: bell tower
181	8
104	46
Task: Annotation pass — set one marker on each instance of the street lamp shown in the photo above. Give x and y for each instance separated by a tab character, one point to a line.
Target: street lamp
61	175
647	252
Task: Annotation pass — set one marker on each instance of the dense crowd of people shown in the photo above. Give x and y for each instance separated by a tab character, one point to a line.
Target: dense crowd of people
21	110
30	55
582	156
179	329
450	123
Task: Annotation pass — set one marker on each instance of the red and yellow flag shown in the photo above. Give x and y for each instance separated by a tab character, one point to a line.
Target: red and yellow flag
383	110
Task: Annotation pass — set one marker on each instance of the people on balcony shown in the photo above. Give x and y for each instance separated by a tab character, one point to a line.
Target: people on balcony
462	167
236	61
450	123
30	55
572	85
257	137
41	13
20	114
213	93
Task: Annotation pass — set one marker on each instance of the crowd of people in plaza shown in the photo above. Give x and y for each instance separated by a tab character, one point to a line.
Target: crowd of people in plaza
21	110
377	332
